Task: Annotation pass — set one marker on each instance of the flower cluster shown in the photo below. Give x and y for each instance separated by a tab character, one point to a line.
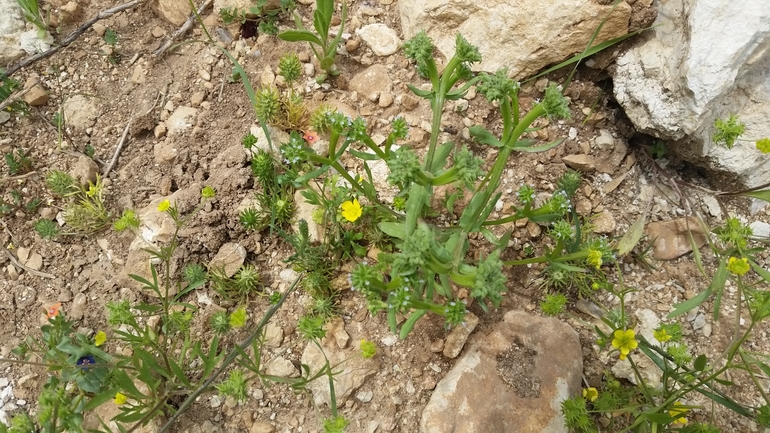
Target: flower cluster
404	167
490	280
738	266
526	195
763	145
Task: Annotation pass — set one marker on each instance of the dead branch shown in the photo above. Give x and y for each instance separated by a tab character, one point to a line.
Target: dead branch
182	30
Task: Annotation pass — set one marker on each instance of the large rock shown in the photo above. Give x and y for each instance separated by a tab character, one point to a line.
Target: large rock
511	380
174	11
525	36
671	239
11	28
706	59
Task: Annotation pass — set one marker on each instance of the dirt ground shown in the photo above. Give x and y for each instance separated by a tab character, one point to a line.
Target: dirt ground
143	87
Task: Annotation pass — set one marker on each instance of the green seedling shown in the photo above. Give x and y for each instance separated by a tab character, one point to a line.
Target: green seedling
32	13
18	162
324	46
111	39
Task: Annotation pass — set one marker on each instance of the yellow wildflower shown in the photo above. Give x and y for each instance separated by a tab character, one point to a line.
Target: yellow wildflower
661	335
120	398
590	394
738	266
351	210
625	341
677	413
208	192
164	205
595	258
100	338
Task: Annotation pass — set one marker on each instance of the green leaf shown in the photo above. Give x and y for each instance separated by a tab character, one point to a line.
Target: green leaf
406	328
100	399
393	229
536	149
428	94
179	373
700	363
441	155
300	36
761	194
322	17
482	135
717	284
364	155
312	175
632	236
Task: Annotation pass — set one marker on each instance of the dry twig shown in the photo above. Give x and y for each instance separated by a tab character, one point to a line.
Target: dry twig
28	269
117	150
72	36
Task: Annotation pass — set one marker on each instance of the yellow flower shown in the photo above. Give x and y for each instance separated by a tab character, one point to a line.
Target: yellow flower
738	266
595	258
351	210
677	413
661	335
100	338
590	394
120	398
625	341
764	145
164	205
92	190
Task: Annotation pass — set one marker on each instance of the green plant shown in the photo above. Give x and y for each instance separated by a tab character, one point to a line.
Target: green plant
323	45
7	86
267	18
47	229
727	131
18	162
553	304
431	258
32	13
111	39
84	212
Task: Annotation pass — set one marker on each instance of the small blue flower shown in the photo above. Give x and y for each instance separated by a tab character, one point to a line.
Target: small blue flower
85	361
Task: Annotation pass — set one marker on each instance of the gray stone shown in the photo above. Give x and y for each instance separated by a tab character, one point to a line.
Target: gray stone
671	239
273	335
262	427
580	162
277	137
381	38
78	308
85	171
349	375
304	211
281	367
456	339
373	79
603	222
527	362
648	321
229	258
523	36
80	112
24	296
182	119
760	229
174	11
11	27
604	140
32	44
694	68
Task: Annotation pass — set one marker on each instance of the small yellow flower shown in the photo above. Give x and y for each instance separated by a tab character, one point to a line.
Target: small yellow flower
661	335
120	398
595	258
590	394
738	266
92	190
625	341
164	205
100	338
764	145
677	413
351	210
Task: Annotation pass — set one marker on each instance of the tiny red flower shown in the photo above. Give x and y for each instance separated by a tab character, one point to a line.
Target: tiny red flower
53	310
310	136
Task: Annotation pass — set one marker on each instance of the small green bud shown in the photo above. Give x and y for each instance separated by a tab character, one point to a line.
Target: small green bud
555	103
